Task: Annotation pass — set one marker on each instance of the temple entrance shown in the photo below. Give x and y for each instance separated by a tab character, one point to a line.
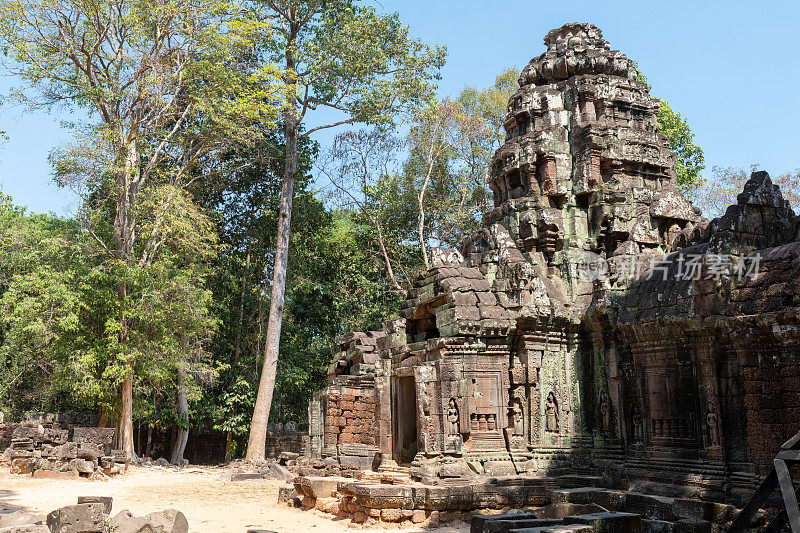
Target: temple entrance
405	419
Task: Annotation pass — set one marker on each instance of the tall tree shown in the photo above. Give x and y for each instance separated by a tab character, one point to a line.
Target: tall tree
362	167
360	66
169	84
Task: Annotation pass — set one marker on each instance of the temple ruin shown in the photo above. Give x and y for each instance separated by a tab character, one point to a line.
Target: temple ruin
597	330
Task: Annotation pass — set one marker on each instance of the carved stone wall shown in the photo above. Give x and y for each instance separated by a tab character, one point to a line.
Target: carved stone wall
597	323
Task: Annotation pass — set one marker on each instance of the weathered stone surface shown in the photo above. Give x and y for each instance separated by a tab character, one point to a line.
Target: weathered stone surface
168	521
102	437
81	518
286	493
318	487
609	522
106	501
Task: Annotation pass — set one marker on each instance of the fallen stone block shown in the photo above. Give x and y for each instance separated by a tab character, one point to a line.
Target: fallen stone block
650	506
106	501
318	487
609	522
81	518
87	454
281	472
286	493
611	500
685	508
288	458
168	521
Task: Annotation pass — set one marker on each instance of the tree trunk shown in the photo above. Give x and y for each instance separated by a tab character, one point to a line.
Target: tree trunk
228	448
421	200
179	446
386	259
148	449
256	444
125	425
127	182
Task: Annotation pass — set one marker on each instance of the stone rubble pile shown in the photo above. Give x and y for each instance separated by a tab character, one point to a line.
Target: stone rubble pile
92	515
52	452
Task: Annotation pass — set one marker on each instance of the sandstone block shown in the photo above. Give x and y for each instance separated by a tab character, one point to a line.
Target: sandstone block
81	518
609	522
649	506
102	437
685	508
68	450
106	501
168	521
21	466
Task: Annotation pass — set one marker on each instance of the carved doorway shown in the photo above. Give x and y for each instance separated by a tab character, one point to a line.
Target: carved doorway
404	416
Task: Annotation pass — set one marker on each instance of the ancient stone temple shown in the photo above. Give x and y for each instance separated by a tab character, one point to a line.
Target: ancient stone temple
597	325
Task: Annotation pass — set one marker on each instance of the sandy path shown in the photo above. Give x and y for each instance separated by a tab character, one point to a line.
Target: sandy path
211	506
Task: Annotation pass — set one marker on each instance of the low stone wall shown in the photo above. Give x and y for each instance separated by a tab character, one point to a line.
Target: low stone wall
278	443
51	452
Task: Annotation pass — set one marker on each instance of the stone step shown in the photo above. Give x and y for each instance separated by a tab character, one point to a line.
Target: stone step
571	481
572	528
609	522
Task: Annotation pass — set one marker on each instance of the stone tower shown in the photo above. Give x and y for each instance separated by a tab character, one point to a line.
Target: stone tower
506	360
584	167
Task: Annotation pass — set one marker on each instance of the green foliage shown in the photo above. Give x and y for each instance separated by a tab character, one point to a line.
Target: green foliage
689	158
61	312
350	58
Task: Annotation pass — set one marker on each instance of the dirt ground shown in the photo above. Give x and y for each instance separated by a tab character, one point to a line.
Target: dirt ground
210	505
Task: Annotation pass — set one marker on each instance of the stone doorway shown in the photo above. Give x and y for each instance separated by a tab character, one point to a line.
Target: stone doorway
405	419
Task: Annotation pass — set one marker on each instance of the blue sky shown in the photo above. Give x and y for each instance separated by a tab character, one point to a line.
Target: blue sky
731	68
